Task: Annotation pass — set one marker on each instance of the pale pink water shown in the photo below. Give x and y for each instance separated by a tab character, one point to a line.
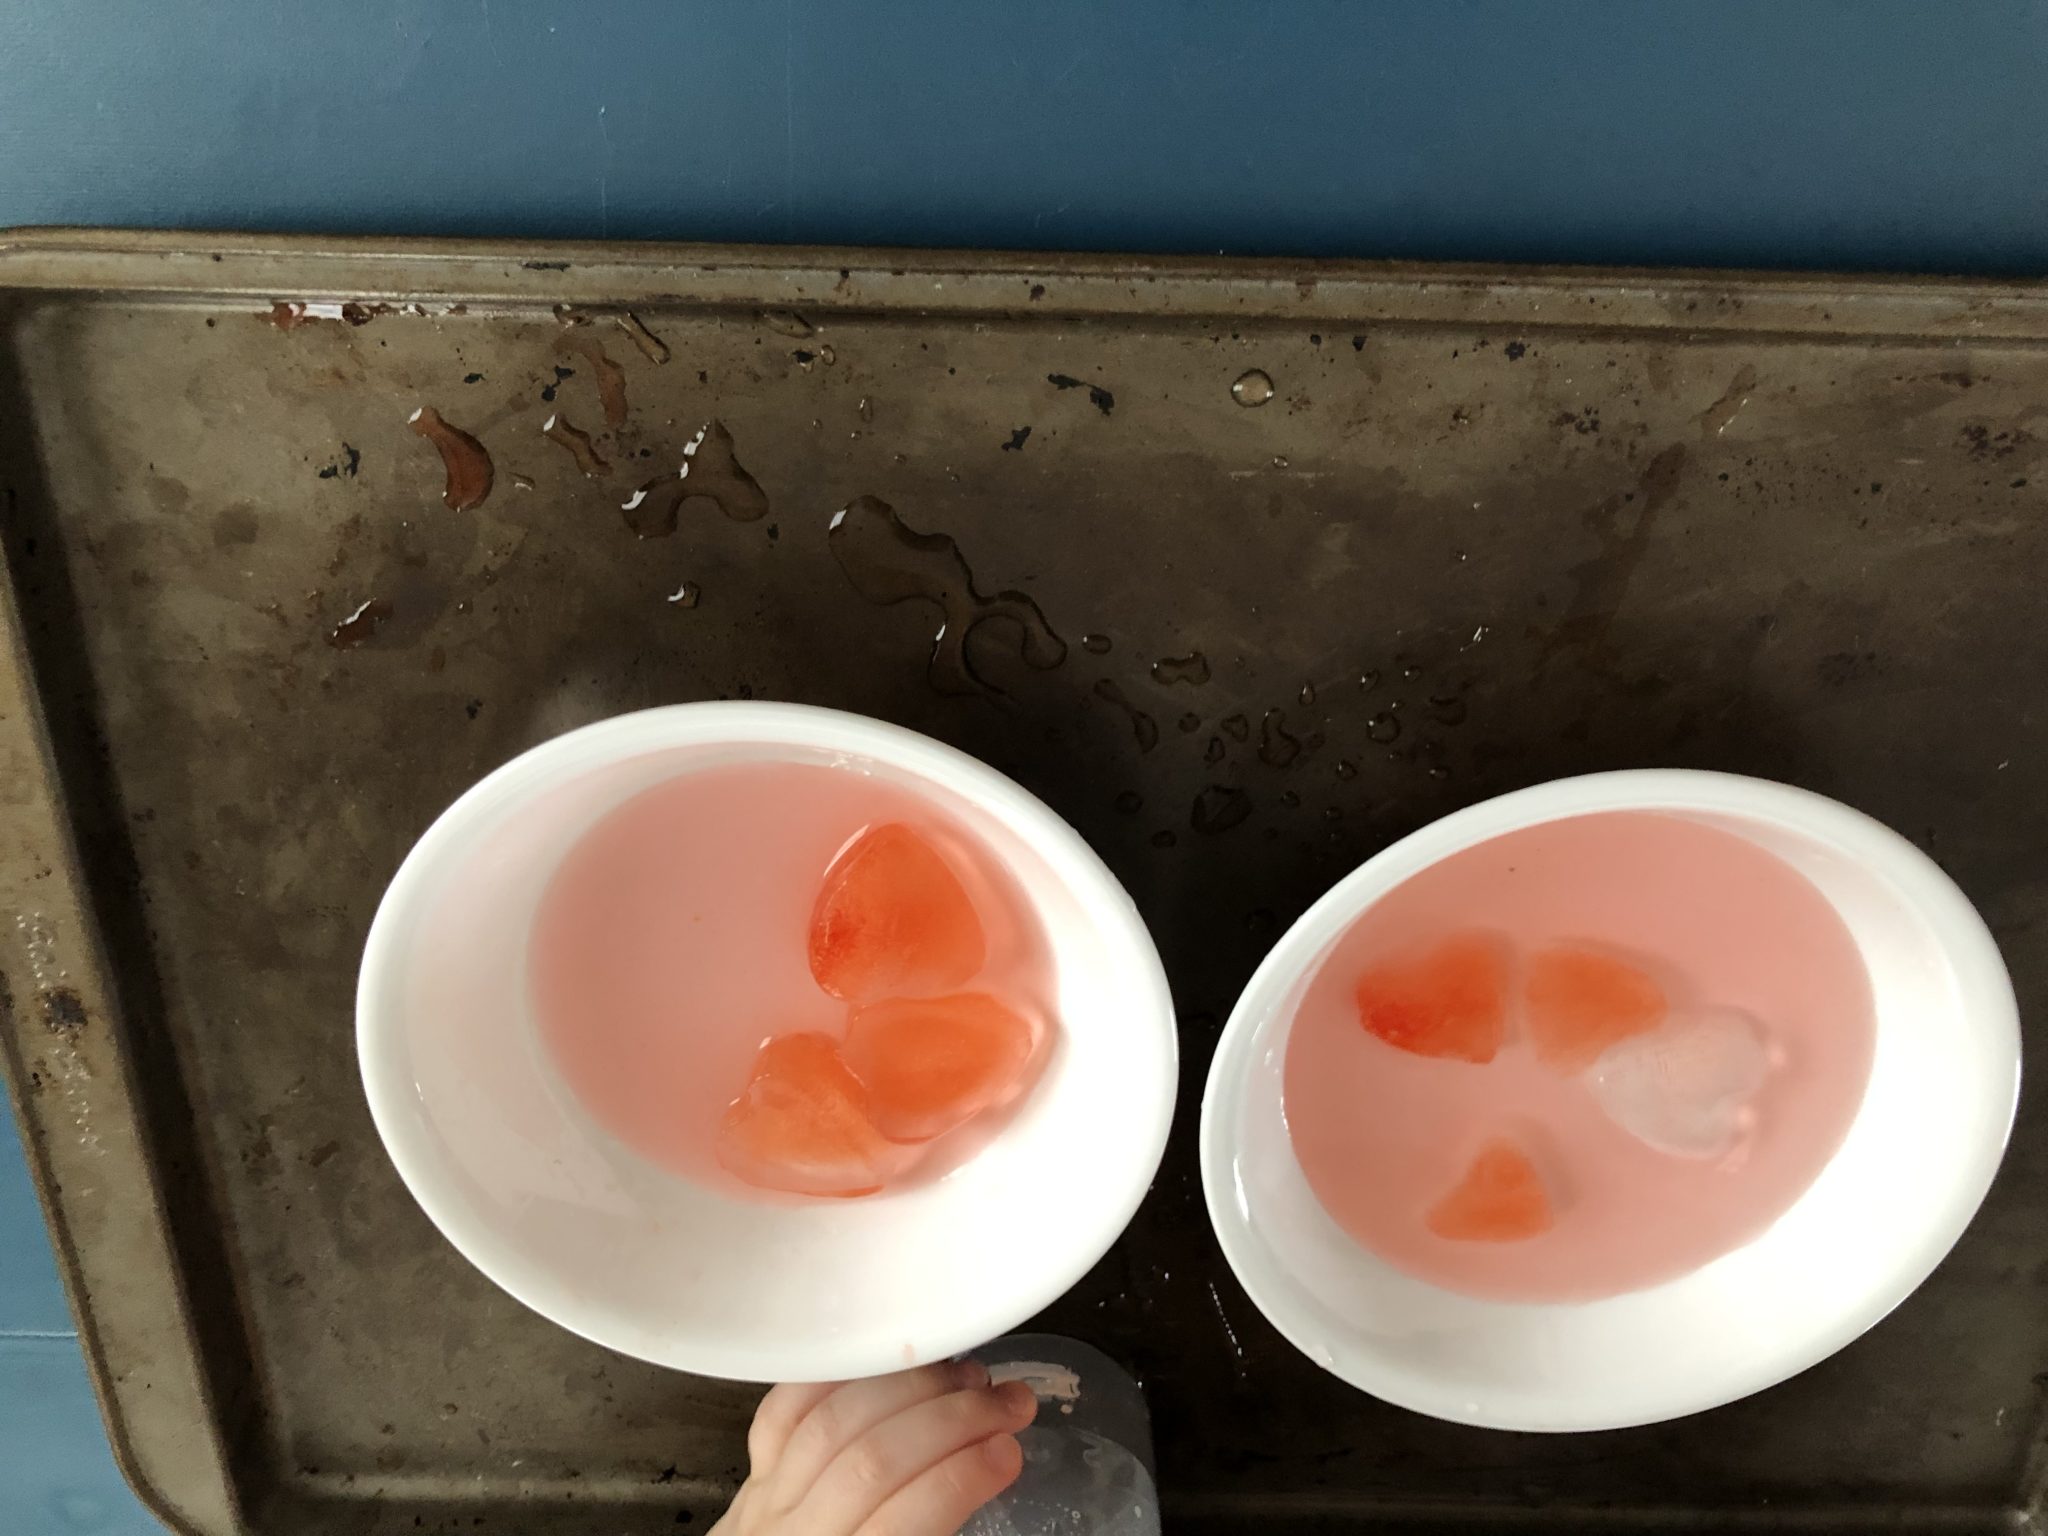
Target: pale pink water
673	941
1382	1133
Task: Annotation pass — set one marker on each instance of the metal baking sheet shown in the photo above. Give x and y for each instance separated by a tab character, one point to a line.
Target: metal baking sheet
1434	534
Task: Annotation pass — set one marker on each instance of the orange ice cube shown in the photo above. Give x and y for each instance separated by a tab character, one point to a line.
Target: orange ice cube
1499	1200
932	1063
801	1124
1579	1002
1449	1002
893	919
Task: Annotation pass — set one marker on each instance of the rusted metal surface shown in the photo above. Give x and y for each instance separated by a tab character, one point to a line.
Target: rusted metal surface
1479	529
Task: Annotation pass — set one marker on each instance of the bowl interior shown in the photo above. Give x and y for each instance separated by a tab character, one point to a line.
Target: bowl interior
1915	1164
551	1207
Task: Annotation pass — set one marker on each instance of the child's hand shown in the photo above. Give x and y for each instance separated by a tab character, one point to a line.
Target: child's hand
914	1454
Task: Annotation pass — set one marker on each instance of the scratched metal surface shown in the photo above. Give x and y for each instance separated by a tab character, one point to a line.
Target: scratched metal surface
1491	527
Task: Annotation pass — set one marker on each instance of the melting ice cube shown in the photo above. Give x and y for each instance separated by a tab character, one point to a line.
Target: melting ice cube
931	1063
1686	1087
893	920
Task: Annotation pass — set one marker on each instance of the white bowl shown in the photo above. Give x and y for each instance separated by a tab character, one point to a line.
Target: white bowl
1912	1170
549	1206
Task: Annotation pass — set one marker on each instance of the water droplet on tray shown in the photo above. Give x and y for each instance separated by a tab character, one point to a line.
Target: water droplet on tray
786	322
1190	723
1719	416
1130	801
687	595
1307	694
464	462
1142	725
1252	388
1383	727
651	346
711	469
1346	769
1277	746
1097	645
576	442
889	563
1192	669
360	625
1219	808
1237	728
1213	753
611	380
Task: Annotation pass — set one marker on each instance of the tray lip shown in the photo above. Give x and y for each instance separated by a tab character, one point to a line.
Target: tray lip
62	239
53	262
168	1288
1931	308
98	1371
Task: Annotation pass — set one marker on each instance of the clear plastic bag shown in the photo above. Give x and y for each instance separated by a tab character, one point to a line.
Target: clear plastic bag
1087	1461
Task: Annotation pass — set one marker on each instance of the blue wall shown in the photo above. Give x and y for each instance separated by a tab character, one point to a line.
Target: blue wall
57	1476
1757	132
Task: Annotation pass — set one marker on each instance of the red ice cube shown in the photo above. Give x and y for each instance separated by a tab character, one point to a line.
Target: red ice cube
1579	1002
930	1064
1499	1200
1450	1001
802	1125
893	920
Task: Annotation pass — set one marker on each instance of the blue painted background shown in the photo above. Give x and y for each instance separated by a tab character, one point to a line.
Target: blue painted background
57	1476
1858	133
1775	133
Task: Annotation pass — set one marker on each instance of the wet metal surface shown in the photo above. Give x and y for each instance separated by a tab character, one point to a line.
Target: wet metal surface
1486	528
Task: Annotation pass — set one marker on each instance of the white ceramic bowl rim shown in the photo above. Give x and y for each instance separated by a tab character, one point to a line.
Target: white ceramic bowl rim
1751	1365
959	1323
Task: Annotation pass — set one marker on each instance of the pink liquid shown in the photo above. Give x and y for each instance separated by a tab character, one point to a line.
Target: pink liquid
674	938
1382	1134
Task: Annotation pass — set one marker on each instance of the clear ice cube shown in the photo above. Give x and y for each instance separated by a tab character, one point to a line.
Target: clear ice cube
1688	1086
1074	1483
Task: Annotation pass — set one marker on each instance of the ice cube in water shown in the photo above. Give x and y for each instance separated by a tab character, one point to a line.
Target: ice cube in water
1688	1086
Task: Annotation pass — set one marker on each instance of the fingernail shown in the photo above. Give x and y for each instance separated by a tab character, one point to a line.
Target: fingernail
1003	1453
1019	1398
970	1373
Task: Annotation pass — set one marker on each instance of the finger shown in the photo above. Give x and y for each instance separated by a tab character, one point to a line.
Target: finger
843	1416
873	1468
943	1498
777	1418
734	1520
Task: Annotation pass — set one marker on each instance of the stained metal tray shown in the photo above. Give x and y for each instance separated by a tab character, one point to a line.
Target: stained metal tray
1491	527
